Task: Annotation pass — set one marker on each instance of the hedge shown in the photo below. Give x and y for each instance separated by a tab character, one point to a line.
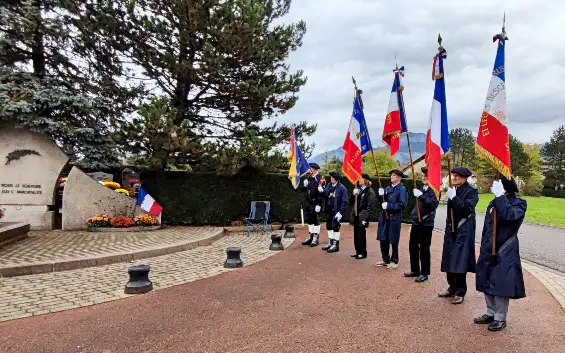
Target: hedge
190	198
560	194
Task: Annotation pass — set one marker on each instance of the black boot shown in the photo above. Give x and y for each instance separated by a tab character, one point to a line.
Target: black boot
334	247
308	240
328	245
314	240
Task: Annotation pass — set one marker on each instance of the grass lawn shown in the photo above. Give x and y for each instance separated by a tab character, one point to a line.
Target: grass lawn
545	210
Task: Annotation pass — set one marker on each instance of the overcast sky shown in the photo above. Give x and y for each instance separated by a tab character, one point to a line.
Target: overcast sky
360	38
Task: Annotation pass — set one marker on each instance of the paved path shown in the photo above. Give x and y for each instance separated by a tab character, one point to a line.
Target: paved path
543	245
43	293
302	300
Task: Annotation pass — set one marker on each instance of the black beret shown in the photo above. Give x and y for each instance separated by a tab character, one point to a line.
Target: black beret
397	172
366	176
462	171
336	175
314	165
425	171
510	186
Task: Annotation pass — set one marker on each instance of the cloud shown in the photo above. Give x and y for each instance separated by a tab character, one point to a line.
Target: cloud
360	38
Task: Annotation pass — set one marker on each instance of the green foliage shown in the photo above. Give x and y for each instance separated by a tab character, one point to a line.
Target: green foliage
553	153
384	161
560	194
208	199
462	143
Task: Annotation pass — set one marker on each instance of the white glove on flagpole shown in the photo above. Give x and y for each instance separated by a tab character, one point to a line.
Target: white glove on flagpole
318	208
451	193
338	216
381	192
417	193
385	205
355	191
497	188
305	182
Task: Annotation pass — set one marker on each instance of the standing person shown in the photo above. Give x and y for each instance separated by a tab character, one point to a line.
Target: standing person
336	206
312	204
390	218
458	255
500	276
366	200
421	230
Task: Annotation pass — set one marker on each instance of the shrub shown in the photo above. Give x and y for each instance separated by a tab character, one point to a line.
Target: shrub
98	221
121	222
532	187
560	194
144	221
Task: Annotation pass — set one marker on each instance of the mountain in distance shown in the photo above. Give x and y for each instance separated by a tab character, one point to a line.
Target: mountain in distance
417	142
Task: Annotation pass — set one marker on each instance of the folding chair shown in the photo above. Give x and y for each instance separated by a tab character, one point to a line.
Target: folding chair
259	218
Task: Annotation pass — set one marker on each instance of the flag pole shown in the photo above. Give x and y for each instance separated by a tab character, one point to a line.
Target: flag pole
372	153
399	92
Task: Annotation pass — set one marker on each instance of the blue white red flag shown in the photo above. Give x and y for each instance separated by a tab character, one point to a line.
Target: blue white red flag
395	121
148	203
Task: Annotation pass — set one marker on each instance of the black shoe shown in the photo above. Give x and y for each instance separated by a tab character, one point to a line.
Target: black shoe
457	300
483	320
496	325
314	240
360	256
328	245
334	247
446	294
308	240
421	278
411	274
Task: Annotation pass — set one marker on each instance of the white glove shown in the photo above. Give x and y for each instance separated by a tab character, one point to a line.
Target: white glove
338	216
355	191
385	205
381	192
305	182
320	189
497	188
363	223
417	193
451	193
318	208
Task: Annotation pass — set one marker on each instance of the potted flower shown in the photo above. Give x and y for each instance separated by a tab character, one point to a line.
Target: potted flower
99	221
145	221
121	222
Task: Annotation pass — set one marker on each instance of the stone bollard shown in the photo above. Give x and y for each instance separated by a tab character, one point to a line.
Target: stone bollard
276	243
289	232
284	224
234	259
139	282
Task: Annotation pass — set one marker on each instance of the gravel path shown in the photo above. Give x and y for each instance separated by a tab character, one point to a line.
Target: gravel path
300	300
543	245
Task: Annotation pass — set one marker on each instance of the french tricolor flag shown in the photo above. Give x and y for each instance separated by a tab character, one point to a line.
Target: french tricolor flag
437	136
148	204
395	121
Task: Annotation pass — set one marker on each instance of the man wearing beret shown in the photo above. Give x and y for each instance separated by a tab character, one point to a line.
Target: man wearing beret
312	204
366	200
390	218
458	255
421	230
500	276
336	206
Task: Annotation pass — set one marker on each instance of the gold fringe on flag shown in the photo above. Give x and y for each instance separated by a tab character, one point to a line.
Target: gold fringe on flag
494	161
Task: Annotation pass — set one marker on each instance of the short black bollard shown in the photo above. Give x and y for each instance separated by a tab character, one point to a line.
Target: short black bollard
139	282
289	232
233	260
276	243
284	224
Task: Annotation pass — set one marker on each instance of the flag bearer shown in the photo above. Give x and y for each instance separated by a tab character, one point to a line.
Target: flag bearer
500	276
458	255
366	201
336	206
421	230
390	218
312	204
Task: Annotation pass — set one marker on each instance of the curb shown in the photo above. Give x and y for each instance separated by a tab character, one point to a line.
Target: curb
106	259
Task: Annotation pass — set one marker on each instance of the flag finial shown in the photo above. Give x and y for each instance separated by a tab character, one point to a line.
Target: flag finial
502	36
354	82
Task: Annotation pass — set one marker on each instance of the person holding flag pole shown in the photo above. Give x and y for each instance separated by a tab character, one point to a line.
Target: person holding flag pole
499	269
298	164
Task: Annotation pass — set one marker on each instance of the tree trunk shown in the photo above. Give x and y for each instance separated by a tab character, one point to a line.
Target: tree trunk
38	50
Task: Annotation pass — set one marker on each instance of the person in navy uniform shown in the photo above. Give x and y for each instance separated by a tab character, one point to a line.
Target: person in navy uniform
366	201
500	276
421	230
458	255
312	204
336	206
390	218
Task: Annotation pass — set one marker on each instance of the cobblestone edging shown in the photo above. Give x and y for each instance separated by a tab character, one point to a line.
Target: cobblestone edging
111	248
32	295
553	280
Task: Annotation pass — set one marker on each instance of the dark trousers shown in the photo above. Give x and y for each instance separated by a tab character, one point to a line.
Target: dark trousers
359	238
385	249
420	240
310	215
457	283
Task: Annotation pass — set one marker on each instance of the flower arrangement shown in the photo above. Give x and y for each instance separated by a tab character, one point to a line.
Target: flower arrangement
99	221
145	220
62	182
122	191
121	222
2	213
111	184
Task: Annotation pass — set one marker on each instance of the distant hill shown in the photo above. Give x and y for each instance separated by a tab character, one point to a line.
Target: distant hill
417	142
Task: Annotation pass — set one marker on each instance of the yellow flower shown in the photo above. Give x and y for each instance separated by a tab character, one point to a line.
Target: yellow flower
123	192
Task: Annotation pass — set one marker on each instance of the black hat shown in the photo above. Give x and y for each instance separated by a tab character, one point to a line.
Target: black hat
366	177
336	175
397	172
314	165
462	171
510	186
425	171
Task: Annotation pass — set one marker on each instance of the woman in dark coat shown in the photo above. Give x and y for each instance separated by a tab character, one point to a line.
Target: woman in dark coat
500	276
366	201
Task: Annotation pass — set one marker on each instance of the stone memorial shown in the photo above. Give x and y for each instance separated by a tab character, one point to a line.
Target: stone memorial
30	167
101	176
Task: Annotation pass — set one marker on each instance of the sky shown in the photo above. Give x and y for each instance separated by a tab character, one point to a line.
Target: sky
359	38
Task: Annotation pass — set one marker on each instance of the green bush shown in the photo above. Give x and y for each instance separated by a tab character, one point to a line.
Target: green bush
560	194
208	199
